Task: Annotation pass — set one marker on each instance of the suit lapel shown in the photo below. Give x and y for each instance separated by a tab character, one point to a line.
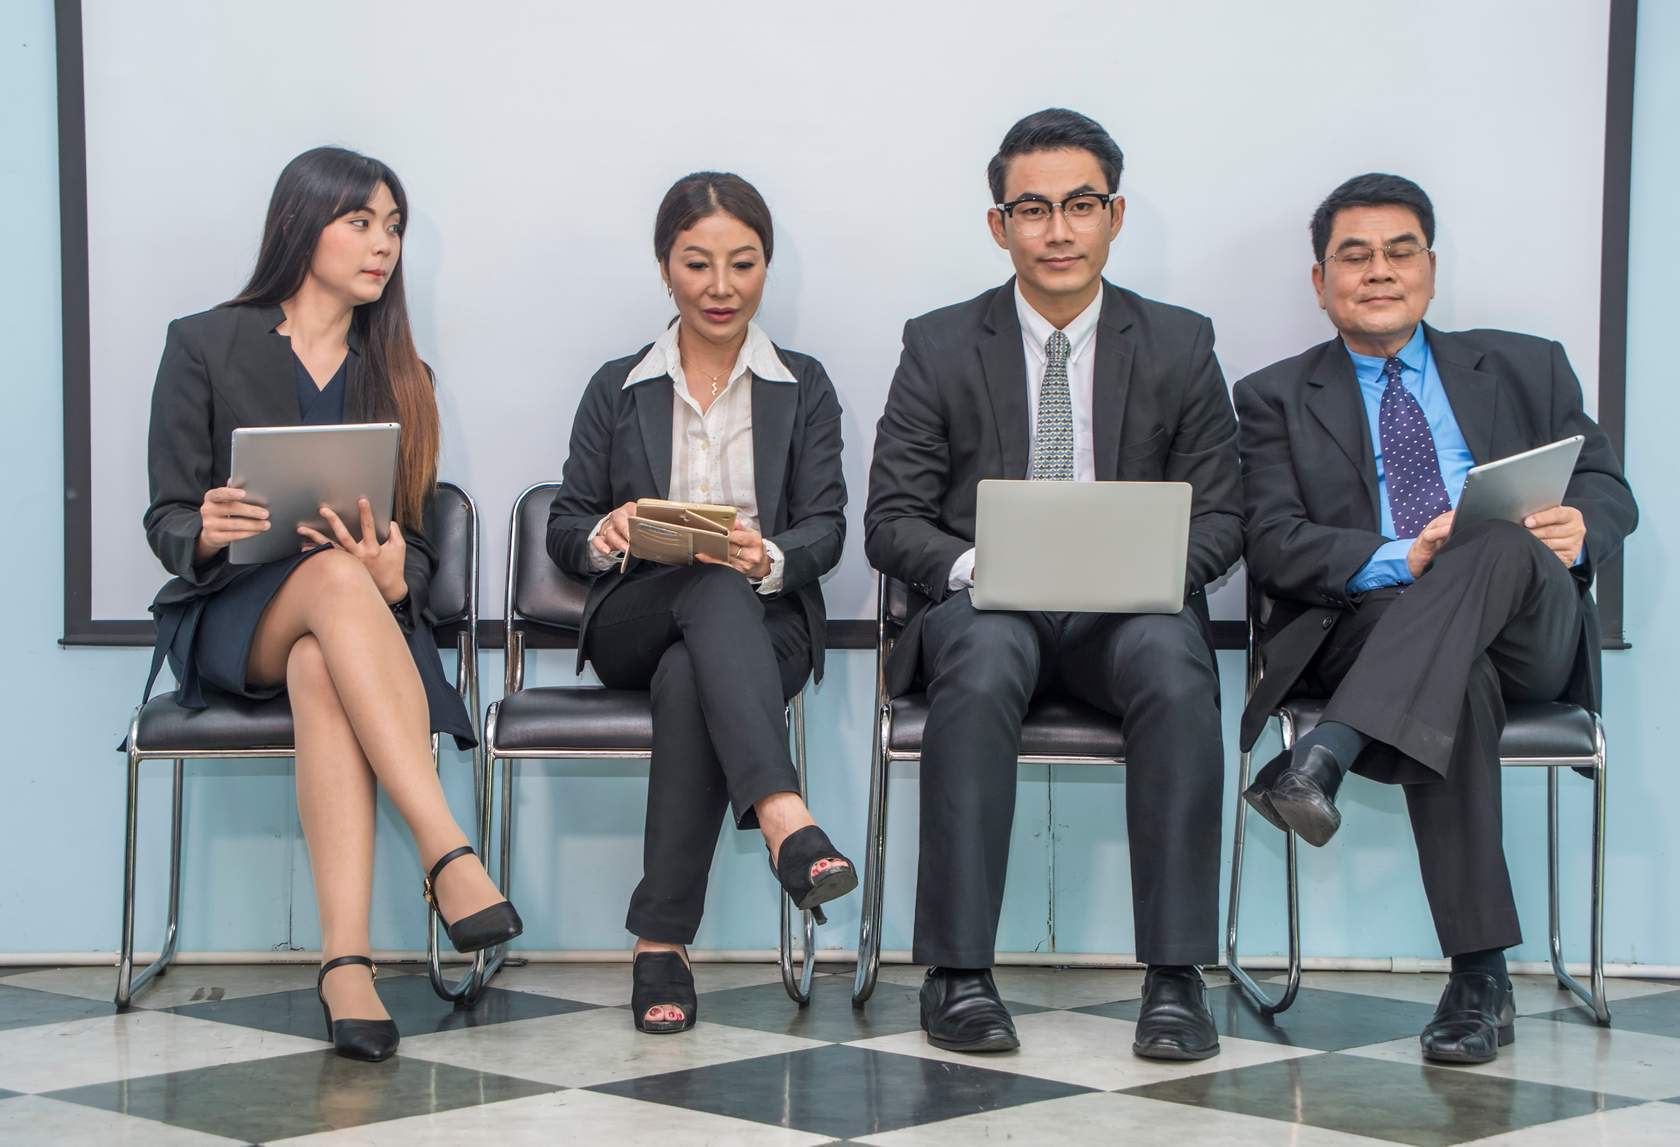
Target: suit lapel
264	392
1004	361
774	405
653	411
1112	378
1333	397
1472	393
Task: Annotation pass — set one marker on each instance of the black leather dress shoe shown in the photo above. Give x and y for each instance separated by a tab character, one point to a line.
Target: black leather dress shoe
1259	798
961	1011
1476	1017
1304	795
1175	1022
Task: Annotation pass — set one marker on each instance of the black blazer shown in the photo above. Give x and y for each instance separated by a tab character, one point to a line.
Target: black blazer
957	413
1311	483
222	369
621	451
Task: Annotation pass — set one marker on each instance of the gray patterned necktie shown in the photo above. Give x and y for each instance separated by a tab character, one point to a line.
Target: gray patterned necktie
1052	451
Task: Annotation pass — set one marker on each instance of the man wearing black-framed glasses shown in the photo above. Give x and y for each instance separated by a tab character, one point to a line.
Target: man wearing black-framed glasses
1059	376
1354	455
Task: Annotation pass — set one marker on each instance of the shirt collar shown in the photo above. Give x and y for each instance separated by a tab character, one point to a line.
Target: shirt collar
1368	368
1039	328
758	354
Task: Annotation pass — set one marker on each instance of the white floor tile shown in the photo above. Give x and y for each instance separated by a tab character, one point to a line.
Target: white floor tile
1650	1125
1091	1051
583	1049
564	1117
1569	1055
136	1043
35	1119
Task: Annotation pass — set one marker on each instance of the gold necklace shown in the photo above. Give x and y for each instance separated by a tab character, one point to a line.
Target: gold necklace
716	381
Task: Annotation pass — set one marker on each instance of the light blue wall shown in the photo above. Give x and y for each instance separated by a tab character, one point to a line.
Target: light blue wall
579	828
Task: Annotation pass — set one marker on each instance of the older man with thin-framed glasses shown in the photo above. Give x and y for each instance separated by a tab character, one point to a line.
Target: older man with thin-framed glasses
1354	456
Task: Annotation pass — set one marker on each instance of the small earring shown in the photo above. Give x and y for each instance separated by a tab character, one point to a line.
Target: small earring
670	293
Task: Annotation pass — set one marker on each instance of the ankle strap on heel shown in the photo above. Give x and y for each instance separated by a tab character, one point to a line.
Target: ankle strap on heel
454	854
341	961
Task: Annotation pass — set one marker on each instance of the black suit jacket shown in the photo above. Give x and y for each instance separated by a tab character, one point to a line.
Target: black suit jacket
621	451
957	413
223	369
1311	483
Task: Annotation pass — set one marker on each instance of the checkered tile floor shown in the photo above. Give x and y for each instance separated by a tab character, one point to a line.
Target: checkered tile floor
234	1055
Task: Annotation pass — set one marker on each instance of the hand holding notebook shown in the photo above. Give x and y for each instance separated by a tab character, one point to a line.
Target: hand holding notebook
673	533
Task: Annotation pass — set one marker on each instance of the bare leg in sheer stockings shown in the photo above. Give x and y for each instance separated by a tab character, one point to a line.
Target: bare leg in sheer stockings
360	714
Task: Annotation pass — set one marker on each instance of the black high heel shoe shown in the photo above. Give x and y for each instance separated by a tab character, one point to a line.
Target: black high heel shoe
496	924
802	849
662	979
370	1040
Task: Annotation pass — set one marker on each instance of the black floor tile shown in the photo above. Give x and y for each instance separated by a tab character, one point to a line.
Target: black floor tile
829	1016
1654	1015
25	1007
1322	1020
1396	1101
410	1000
265	1099
841	1091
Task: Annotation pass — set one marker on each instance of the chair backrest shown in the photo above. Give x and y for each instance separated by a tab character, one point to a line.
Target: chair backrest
452	525
538	591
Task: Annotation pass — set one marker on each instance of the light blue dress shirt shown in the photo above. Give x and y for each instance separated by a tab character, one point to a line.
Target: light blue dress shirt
1418	375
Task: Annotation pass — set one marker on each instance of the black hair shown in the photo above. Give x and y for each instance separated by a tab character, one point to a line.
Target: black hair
392	384
1375	189
694	197
1055	129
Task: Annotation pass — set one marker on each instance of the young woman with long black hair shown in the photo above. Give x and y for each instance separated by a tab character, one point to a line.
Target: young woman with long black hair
320	335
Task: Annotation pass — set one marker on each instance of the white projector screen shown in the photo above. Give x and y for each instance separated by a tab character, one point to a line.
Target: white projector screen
536	140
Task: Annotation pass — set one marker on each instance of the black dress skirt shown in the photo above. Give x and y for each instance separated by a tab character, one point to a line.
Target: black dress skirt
207	640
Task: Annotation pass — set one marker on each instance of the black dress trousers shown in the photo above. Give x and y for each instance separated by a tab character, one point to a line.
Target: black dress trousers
721	661
1155	672
1426	672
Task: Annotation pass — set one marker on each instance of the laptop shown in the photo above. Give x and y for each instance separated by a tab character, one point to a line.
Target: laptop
293	470
1096	547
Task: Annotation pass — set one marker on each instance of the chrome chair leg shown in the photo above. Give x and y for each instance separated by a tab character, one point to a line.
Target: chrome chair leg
874	866
462	991
129	984
798	989
1594	997
1267	1006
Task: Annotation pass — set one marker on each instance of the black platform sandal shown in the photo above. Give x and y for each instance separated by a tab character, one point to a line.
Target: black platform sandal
800	852
496	924
662	979
370	1040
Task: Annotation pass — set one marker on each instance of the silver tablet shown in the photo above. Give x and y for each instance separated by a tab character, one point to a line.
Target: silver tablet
1510	489
294	470
1098	547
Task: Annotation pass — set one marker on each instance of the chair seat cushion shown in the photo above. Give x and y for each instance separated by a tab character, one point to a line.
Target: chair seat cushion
574	718
230	724
1055	727
1544	729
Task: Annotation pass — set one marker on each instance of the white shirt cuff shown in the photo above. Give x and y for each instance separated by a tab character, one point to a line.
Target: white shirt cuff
962	572
598	561
772	581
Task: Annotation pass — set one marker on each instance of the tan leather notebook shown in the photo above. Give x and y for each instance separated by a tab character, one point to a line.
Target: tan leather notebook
672	533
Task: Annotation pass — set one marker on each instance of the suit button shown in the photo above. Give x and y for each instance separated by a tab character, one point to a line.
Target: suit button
1328	622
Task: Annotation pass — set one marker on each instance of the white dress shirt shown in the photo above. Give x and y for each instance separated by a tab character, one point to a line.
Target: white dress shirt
1081	370
712	449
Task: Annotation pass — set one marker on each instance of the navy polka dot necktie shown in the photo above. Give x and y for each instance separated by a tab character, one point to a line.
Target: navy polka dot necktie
1411	468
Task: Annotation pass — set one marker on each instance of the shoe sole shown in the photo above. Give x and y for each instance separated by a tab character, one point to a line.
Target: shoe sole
1174	1053
829	888
979	1046
490	943
1307	818
1260	801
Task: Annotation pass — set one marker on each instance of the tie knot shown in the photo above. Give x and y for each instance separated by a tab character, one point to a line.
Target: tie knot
1056	348
1391	370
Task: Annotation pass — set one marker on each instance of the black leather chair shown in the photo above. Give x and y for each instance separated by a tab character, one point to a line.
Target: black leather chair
583	723
237	728
1057	731
1553	736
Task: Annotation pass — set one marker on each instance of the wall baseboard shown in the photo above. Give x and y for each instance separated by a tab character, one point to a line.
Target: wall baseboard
1396	964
